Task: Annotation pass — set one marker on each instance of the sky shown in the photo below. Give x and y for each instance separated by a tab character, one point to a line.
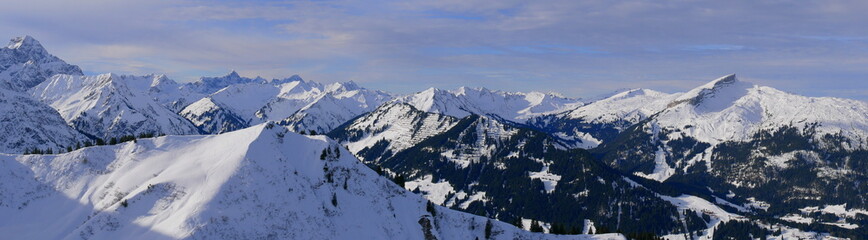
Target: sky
576	48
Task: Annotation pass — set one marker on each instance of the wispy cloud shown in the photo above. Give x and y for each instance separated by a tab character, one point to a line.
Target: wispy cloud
715	47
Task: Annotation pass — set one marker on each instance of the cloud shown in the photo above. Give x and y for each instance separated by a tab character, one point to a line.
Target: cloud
575	47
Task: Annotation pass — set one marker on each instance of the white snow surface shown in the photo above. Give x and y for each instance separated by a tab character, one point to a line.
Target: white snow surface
840	210
512	106
260	182
550	180
106	106
662	170
435	192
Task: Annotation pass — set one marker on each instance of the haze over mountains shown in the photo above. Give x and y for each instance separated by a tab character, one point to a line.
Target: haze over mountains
728	158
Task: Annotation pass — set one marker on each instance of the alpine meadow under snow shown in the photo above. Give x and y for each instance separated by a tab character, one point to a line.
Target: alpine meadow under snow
113	156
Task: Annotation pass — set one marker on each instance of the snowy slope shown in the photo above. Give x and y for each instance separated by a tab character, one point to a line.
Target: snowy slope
27	123
106	106
260	182
512	106
24	63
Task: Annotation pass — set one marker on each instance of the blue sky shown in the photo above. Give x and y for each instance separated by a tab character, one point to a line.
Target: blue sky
577	48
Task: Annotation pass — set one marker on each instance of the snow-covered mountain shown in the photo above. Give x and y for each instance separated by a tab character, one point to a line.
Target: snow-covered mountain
24	63
729	110
390	128
512	106
260	182
163	90
481	165
28	124
110	105
208	85
339	103
693	165
303	105
771	151
602	120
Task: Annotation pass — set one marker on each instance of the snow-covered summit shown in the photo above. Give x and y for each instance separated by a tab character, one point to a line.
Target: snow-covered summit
394	126
338	103
26	43
730	109
304	105
512	106
631	106
260	182
208	85
293	78
603	118
110	105
24	63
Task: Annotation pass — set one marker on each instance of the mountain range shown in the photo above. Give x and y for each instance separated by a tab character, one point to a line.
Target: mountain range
292	158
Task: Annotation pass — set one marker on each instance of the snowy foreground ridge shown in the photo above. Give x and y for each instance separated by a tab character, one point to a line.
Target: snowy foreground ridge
259	182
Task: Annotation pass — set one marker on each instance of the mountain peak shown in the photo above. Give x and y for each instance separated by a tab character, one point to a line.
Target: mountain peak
720	82
717	94
233	74
25	42
350	85
293	78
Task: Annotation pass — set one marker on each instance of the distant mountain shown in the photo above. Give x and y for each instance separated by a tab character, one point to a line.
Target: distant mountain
106	106
24	63
602	120
303	105
339	103
464	101
163	90
260	182
208	85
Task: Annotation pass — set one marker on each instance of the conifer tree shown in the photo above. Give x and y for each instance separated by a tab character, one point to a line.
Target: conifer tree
400	180
535	227
488	229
